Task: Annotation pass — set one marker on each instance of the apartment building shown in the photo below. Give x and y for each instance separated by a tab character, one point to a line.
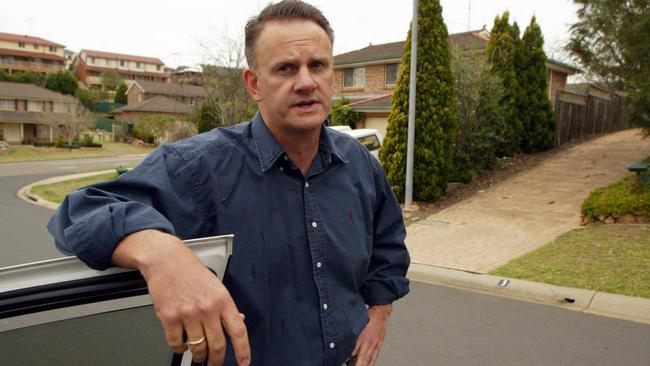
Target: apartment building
30	113
89	65
21	53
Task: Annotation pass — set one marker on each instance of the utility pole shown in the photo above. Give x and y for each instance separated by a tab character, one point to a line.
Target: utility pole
408	200
469	14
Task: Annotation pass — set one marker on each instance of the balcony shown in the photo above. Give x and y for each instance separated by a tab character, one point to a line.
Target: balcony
14	65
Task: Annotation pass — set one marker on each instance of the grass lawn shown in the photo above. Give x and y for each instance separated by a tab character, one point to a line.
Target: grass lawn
609	258
56	192
20	153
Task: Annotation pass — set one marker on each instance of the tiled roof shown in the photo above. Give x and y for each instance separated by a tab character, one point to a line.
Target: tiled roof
29	91
120	56
173	89
156	104
46	56
381	103
394	50
27	39
54	119
565	67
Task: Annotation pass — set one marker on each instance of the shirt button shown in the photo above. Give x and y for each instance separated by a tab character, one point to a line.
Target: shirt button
319	264
324	306
314	224
286	157
281	169
306	184
332	345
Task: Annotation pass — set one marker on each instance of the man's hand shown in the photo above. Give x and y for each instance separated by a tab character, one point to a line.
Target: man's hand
187	297
371	338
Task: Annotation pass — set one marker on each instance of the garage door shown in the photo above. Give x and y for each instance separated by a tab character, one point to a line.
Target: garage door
378	123
11	132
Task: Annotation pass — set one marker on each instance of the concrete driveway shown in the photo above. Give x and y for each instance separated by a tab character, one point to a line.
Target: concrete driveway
525	211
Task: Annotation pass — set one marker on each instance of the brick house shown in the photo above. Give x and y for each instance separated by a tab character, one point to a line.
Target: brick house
29	112
187	94
89	65
156	105
21	53
367	76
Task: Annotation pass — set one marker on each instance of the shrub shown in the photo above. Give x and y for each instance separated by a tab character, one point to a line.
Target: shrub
344	116
626	197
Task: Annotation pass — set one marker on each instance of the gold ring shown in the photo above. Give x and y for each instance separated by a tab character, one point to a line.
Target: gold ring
196	342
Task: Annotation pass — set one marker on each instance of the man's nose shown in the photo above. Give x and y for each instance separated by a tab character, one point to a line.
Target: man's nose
304	81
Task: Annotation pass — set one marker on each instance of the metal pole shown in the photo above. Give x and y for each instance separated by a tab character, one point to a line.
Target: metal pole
411	128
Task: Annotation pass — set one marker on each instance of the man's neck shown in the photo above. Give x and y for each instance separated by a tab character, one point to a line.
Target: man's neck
301	147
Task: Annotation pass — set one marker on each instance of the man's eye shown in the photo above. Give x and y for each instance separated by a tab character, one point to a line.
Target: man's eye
317	65
285	69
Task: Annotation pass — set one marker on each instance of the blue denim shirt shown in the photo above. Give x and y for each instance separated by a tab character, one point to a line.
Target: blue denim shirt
308	254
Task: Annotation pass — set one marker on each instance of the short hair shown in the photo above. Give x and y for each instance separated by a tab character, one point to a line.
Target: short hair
284	10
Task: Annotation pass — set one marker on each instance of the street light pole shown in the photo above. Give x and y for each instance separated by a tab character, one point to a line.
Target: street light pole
408	200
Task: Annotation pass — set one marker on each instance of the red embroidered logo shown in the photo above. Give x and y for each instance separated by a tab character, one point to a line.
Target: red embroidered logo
350	215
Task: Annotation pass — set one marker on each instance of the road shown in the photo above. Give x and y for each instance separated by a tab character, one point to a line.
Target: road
23	234
437	325
433	325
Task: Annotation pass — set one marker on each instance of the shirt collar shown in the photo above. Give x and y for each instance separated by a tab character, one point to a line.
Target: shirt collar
269	150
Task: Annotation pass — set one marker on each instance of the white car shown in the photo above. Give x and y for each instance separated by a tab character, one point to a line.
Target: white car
60	312
368	137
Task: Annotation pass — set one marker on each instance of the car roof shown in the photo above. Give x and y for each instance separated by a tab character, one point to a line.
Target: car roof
362	132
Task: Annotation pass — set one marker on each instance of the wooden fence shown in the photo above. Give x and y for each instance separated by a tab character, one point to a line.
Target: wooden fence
581	115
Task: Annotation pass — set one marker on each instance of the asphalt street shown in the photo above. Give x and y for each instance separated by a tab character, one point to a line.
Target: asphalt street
433	325
23	233
436	325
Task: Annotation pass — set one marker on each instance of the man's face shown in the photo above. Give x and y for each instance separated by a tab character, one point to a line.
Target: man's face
292	81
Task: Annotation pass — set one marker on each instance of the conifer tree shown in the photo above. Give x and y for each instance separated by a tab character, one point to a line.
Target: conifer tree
537	112
435	117
501	52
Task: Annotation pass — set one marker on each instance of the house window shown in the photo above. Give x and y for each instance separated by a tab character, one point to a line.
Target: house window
7	105
52	49
392	70
354	77
59	107
138	65
21	44
35	46
35	106
92	60
157	67
121	62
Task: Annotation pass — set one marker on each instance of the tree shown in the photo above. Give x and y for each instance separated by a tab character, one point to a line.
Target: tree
151	129
70	124
4	76
90	97
536	111
342	115
479	112
110	80
611	41
227	102
501	52
435	119
120	94
28	77
63	82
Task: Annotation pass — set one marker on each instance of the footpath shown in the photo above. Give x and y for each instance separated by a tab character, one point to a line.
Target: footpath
461	243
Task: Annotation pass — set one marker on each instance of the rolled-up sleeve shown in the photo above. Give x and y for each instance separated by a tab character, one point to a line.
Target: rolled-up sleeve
386	279
157	194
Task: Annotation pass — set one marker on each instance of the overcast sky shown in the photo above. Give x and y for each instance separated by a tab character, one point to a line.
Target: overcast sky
174	30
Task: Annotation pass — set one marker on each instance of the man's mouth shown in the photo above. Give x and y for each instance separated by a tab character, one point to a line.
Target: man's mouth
306	103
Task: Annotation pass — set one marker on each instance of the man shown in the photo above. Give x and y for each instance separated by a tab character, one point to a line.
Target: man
318	233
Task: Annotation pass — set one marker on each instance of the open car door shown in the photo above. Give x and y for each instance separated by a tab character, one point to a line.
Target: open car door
60	312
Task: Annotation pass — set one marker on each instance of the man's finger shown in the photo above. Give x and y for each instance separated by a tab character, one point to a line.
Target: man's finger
173	335
216	343
233	322
196	341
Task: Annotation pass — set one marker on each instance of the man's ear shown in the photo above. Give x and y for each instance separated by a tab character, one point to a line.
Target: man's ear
252	84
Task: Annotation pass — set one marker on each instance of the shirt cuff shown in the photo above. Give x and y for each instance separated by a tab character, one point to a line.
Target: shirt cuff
384	291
